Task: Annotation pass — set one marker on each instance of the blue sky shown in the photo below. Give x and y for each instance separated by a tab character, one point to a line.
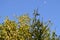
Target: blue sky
49	9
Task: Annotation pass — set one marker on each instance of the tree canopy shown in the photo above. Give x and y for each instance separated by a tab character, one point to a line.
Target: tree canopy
26	29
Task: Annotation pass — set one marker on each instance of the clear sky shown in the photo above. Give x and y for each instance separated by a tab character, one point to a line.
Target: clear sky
49	9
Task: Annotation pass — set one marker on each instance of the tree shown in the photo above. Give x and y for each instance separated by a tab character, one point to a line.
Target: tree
24	22
10	29
40	31
26	29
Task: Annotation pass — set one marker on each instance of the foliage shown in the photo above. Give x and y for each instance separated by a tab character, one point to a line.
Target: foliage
26	29
40	31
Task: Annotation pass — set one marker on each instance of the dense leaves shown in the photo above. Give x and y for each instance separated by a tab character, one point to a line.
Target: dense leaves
26	29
